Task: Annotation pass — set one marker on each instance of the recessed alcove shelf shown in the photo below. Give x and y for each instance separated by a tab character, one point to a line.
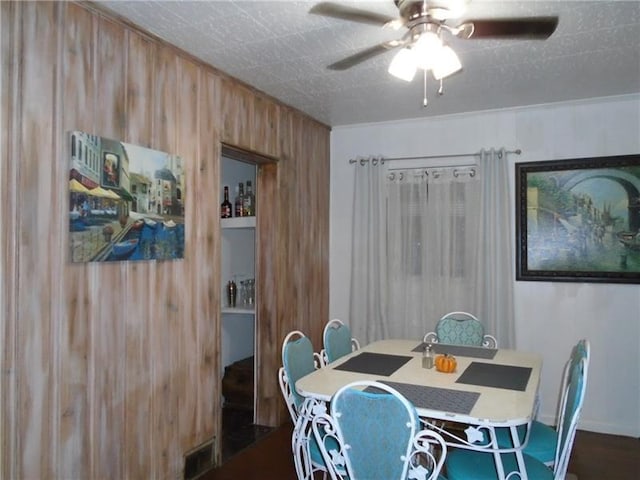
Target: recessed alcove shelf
238	222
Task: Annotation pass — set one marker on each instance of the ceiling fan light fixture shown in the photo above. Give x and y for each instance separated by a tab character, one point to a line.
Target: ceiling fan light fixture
403	65
428	22
426	50
447	63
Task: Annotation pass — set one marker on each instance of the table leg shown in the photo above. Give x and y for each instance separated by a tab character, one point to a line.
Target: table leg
515	439
497	458
477	436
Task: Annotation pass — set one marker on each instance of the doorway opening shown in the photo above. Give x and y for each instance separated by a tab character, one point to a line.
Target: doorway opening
241	288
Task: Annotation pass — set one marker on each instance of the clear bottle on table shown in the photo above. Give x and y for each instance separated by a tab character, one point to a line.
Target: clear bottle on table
427	356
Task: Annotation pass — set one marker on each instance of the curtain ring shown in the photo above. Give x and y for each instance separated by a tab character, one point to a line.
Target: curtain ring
391	176
472	172
374	161
401	176
363	161
455	172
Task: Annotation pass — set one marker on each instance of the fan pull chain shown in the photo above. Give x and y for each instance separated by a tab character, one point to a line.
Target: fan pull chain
424	98
441	89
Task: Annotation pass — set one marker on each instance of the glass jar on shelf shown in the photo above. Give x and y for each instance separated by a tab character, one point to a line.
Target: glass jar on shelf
250	293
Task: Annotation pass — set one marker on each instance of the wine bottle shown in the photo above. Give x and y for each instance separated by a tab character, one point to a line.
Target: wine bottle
225	206
239	201
249	201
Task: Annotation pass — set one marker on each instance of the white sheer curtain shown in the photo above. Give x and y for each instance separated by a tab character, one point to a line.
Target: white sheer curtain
432	219
429	241
495	278
367	316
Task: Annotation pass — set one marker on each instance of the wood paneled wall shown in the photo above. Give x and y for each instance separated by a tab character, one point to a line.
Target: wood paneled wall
111	370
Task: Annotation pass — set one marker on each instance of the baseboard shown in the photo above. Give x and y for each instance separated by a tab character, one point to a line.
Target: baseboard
597	427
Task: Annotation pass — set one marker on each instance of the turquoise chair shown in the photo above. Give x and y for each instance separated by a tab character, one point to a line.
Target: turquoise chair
337	341
376	435
298	360
461	328
463	464
543	439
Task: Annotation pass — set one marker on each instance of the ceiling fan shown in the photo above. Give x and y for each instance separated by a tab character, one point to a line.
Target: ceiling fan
423	44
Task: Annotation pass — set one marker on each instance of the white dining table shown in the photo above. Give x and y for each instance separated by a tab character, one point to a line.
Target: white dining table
489	389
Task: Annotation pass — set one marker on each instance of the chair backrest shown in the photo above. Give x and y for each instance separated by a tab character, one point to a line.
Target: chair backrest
298	360
462	328
581	350
337	340
378	436
572	400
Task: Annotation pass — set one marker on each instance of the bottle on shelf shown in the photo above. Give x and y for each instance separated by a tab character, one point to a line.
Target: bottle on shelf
249	201
225	207
232	291
239	201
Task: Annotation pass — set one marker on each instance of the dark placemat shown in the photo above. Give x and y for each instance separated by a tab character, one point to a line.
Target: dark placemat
444	399
460	350
496	375
374	363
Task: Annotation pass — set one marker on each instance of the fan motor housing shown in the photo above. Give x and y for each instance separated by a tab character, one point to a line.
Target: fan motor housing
411	10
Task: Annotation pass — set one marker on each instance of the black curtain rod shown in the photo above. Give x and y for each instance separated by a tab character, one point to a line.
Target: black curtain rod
425	157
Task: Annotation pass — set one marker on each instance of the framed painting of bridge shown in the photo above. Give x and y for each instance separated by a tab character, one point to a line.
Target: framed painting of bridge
578	220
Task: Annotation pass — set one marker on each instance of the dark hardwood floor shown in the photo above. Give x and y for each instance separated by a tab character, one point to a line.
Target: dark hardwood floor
598	456
239	431
595	456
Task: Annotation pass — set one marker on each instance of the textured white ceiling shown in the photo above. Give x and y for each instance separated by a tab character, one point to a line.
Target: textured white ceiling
282	50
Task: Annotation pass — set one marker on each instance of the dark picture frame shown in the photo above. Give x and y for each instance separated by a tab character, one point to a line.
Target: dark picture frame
578	220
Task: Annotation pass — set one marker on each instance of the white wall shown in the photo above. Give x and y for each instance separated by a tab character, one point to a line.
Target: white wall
550	316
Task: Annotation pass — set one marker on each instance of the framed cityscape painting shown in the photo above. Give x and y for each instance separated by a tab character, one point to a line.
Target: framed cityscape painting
126	202
579	220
